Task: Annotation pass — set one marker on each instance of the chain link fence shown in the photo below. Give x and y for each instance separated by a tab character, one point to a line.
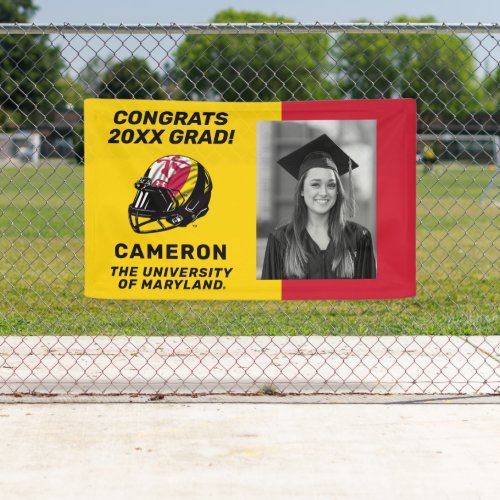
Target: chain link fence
55	341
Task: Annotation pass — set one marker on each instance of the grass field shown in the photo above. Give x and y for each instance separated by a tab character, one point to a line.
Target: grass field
41	270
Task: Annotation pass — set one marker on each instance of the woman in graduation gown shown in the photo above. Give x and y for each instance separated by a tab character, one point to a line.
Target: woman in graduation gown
319	242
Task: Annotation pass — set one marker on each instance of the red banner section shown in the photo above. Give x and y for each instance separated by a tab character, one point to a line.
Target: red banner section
395	199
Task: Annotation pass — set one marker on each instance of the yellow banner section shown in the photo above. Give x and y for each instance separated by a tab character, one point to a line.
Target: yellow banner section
170	200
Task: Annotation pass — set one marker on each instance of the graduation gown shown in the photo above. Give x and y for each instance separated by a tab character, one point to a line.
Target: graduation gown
319	262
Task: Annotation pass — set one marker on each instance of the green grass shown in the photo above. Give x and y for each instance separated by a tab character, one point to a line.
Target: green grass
41	271
42	202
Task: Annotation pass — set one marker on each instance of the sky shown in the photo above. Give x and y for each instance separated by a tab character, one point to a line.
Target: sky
200	11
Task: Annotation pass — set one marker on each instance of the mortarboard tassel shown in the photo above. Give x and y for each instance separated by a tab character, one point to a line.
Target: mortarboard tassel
352	203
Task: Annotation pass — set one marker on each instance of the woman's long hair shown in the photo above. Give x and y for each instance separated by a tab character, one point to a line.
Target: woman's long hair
296	256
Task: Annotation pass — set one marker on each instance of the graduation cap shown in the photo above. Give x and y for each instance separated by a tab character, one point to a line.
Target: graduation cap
322	152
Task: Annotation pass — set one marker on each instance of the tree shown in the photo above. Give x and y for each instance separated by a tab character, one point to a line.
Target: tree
29	67
437	70
91	76
16	11
491	87
71	93
131	79
365	66
253	67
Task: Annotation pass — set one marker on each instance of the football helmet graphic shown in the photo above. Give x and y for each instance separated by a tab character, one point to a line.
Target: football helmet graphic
174	192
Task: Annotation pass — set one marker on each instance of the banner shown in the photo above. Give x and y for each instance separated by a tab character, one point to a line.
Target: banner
249	201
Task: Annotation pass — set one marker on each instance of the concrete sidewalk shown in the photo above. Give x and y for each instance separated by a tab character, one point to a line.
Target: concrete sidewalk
221	365
233	451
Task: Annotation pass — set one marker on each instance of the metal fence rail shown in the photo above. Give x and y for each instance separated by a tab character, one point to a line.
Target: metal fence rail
55	341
